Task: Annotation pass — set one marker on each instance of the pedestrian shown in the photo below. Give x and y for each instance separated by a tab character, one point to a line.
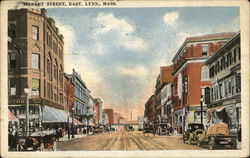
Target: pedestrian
57	134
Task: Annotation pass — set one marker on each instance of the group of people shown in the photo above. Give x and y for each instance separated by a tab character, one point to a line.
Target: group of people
13	138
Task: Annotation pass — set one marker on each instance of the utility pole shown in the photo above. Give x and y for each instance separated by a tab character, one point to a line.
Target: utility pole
27	91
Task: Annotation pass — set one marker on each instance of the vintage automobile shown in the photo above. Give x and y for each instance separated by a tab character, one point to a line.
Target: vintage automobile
193	129
162	129
38	141
217	135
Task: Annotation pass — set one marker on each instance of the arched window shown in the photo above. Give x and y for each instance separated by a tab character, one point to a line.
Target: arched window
204	73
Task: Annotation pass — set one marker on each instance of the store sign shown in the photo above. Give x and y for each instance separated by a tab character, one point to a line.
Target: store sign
13	101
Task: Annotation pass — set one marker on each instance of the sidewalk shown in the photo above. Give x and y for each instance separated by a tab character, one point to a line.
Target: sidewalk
65	137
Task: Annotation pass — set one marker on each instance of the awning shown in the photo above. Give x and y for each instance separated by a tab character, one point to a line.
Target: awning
77	122
217	108
12	117
51	115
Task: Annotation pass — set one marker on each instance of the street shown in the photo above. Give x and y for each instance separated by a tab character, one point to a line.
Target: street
126	140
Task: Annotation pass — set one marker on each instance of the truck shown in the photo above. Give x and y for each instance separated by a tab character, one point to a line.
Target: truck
217	135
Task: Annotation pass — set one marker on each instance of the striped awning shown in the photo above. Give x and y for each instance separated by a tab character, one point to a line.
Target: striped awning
12	117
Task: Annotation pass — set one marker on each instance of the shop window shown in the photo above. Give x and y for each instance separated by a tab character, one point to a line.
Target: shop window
35	61
205	50
204	73
35	32
12	60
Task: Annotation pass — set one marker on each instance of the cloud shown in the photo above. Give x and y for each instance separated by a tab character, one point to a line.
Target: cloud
115	32
171	18
138	71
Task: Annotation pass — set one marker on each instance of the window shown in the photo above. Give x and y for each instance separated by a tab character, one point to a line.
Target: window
35	87
35	61
233	85
204	73
234	55
220	90
12	60
226	88
35	32
205	50
239	52
12	30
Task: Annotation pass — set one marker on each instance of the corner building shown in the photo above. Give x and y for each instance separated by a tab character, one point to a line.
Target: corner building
38	65
191	77
224	103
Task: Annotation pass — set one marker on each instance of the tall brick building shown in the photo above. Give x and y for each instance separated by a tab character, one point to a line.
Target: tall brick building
110	113
35	61
191	76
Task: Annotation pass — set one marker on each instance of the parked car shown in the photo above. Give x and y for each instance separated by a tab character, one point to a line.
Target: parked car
217	135
193	130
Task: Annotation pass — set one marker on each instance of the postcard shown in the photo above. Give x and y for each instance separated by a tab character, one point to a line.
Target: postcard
124	78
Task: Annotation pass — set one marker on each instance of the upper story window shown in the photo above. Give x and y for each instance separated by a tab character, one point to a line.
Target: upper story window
205	50
35	61
35	30
12	30
204	73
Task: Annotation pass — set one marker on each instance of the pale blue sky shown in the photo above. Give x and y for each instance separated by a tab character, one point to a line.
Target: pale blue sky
119	51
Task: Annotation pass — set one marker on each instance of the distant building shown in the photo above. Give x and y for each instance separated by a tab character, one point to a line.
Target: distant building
110	113
191	76
224	97
69	93
150	109
164	80
35	61
116	117
82	96
105	118
98	111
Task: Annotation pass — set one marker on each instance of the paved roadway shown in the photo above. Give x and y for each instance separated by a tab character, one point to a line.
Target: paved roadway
125	140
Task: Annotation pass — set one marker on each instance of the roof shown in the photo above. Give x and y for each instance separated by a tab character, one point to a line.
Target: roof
202	38
218	53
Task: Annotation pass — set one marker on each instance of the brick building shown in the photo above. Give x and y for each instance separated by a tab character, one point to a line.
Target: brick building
69	93
164	80
224	99
150	109
98	110
37	65
191	76
110	113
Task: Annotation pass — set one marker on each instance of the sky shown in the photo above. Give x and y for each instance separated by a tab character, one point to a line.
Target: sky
119	51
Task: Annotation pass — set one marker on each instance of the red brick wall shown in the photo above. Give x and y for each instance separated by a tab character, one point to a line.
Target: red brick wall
69	94
110	113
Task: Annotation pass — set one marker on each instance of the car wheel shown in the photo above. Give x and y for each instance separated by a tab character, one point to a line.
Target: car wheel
211	144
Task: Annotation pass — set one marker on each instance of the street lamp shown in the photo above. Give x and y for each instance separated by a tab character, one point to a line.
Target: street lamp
73	136
201	101
27	92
